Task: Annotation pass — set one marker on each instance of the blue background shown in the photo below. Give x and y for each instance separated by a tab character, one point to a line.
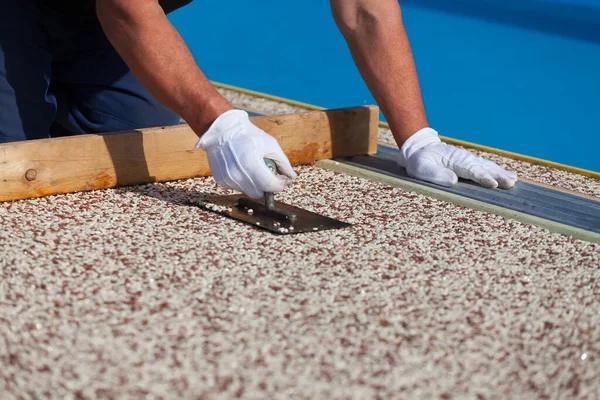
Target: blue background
519	75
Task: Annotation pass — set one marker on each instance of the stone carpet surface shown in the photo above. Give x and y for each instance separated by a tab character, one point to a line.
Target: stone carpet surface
131	293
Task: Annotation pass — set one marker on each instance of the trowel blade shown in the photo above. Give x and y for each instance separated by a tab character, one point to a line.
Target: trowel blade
306	221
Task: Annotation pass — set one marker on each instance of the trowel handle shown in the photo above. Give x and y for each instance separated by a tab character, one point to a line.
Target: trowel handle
271	165
270	197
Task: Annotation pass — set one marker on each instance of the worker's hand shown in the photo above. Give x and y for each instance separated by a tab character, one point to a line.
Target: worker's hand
425	157
236	151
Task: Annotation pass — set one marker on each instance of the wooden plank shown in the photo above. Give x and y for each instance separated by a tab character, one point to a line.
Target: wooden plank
97	161
409	186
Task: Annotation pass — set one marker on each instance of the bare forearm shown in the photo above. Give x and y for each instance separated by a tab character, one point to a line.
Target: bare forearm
160	59
379	45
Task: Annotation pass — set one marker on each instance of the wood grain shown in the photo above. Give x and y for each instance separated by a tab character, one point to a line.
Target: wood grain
97	161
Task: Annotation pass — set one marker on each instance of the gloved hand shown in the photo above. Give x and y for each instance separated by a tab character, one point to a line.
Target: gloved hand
425	157
236	151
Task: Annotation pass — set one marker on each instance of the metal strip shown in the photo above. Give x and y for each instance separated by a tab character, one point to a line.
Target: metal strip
539	201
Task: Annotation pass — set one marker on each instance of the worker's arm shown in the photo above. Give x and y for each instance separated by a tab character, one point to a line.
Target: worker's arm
379	45
160	59
157	55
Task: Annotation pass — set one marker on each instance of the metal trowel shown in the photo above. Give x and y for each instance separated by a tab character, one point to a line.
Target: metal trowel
269	214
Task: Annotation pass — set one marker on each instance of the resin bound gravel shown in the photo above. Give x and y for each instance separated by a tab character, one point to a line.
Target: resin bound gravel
546	175
129	293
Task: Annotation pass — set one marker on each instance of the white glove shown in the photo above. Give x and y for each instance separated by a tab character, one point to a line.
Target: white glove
236	150
425	157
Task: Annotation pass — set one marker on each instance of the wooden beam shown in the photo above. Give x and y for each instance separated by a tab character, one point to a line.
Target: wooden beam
97	161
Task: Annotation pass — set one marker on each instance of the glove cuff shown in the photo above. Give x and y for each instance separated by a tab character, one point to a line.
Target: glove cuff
417	141
222	129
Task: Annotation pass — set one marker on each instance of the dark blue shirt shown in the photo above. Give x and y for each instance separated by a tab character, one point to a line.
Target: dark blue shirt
87	7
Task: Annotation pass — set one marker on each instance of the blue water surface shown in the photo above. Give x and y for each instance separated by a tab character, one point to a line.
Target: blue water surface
522	76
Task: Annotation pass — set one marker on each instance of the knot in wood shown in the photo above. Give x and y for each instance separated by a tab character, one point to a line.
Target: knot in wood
31	174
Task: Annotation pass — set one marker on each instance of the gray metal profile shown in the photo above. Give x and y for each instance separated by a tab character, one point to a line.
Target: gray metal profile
535	200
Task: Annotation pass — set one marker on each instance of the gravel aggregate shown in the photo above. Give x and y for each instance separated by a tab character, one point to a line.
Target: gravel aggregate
130	293
133	293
